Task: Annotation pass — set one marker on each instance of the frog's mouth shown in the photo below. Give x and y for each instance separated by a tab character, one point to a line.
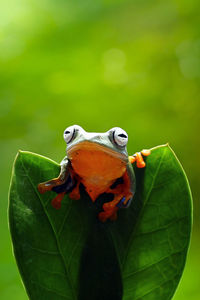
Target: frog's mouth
91	148
94	160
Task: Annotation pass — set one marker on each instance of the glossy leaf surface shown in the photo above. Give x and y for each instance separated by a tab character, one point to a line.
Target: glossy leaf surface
69	254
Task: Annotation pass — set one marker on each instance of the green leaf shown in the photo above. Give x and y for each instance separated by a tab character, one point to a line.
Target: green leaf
69	254
152	250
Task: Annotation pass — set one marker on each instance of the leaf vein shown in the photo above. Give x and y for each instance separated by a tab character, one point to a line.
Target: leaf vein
161	228
64	220
49	290
151	265
52	273
44	250
75	246
158	286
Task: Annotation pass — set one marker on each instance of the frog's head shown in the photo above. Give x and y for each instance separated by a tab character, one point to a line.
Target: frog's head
113	141
89	150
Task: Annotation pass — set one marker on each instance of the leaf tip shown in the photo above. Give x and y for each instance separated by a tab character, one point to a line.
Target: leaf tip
21	151
18	155
21	156
24	153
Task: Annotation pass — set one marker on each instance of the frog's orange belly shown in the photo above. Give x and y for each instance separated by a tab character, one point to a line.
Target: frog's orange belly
94	189
97	169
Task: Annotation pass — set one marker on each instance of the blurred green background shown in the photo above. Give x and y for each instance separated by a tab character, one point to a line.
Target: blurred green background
99	64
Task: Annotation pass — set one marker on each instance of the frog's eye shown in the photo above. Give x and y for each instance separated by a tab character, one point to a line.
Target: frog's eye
120	137
69	134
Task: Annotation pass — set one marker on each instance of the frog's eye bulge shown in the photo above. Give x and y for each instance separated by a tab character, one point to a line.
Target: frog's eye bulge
120	137
69	134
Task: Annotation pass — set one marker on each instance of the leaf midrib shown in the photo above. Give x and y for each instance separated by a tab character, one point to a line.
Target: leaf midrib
56	238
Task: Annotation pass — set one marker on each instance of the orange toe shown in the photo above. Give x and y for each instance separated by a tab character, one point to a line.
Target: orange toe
132	159
146	152
56	202
140	161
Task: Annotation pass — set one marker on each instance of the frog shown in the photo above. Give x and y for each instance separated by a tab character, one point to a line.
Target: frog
100	162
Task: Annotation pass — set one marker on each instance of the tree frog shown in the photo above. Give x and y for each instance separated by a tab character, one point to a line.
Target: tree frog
101	163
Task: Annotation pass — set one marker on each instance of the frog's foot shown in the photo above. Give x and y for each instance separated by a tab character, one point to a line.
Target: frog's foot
75	193
139	159
124	202
56	202
111	208
108	214
119	201
48	185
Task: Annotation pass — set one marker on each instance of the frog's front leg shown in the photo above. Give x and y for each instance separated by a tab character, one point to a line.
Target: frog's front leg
138	157
111	208
63	184
56	182
123	195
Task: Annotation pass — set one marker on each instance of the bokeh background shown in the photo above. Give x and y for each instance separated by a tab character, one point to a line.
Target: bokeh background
99	64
